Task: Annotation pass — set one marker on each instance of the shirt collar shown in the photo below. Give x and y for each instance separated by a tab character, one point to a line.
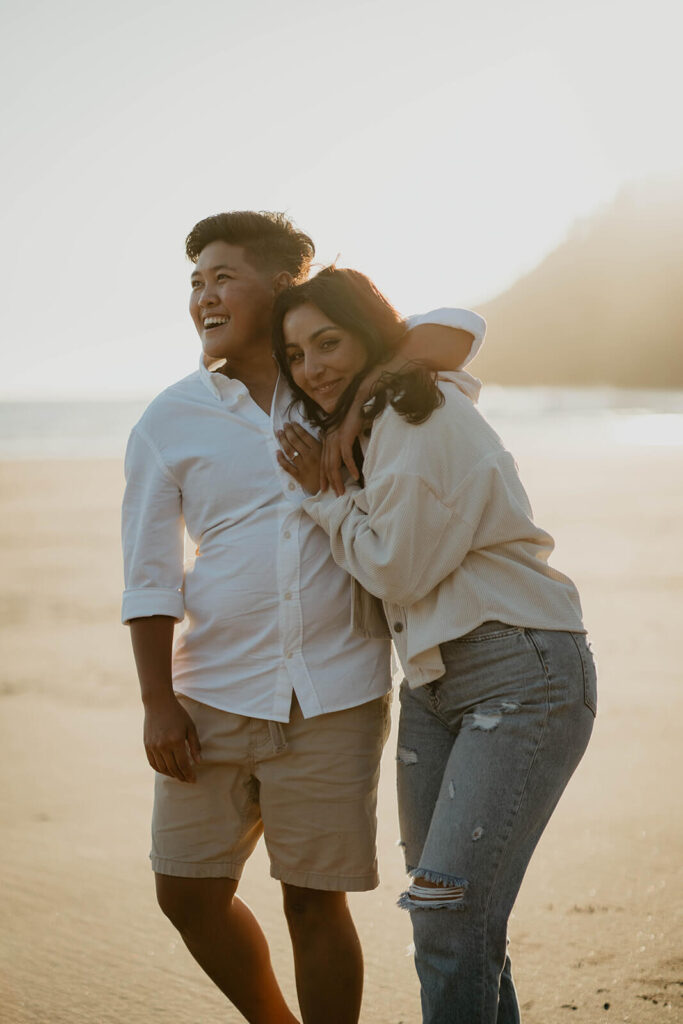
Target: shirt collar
224	389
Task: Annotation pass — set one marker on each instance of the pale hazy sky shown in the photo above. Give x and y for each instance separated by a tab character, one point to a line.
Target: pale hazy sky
442	147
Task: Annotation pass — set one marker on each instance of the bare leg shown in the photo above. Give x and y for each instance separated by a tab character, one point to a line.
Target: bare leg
226	940
328	960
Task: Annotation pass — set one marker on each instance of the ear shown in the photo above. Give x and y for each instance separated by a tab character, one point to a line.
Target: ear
282	281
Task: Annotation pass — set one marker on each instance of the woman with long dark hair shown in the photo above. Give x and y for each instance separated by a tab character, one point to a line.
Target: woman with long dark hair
499	695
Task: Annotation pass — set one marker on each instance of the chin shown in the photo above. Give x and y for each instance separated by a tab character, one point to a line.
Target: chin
215	349
213	352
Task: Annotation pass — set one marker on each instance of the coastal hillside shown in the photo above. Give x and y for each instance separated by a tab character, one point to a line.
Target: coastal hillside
606	307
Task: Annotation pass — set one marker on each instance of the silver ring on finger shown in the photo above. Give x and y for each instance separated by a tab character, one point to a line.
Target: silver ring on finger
295	454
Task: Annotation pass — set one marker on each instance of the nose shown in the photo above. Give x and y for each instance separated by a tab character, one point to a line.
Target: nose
312	365
207	296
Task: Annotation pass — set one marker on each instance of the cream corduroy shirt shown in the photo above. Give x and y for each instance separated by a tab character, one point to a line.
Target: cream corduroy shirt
443	533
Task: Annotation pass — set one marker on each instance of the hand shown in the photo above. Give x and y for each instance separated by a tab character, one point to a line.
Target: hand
301	458
338	450
171	741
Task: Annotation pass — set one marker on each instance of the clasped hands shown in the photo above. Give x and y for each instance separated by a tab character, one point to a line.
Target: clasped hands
317	465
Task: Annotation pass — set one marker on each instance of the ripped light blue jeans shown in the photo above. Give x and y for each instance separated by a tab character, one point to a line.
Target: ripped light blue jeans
484	754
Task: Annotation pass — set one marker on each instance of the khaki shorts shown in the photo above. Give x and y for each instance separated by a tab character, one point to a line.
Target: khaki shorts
309	785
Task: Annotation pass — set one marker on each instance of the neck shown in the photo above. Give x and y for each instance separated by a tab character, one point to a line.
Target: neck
259	375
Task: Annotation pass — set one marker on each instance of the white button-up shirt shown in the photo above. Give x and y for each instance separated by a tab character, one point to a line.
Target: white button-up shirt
266	610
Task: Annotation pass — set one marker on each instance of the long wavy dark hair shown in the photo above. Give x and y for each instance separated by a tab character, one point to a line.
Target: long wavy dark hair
352	302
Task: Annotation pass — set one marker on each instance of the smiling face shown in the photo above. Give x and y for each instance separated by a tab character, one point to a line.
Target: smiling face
323	358
231	303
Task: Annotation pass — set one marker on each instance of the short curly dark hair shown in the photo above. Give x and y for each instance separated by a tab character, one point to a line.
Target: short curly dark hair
270	240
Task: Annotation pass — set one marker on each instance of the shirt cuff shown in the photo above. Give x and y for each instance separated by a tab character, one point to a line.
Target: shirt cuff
319	507
141	604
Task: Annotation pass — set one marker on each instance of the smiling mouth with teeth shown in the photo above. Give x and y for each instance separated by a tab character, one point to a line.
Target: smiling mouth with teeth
215	321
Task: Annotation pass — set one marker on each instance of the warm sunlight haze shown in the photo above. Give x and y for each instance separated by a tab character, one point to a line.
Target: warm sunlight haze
443	148
520	159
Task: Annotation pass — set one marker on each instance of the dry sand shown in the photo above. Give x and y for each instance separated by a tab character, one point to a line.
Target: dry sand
595	934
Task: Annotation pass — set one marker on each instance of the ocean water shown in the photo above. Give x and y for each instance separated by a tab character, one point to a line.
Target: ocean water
528	419
586	419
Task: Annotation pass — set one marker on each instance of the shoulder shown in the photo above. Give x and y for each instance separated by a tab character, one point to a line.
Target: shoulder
170	402
453	440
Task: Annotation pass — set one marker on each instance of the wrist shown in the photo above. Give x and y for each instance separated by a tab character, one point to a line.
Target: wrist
158	699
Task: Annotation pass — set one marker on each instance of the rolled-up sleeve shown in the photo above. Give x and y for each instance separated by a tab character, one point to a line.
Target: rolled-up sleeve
462	319
152	534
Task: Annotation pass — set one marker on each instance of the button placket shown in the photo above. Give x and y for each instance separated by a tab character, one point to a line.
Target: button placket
290	616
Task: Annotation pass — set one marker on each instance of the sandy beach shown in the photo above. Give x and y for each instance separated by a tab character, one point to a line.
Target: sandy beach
596	934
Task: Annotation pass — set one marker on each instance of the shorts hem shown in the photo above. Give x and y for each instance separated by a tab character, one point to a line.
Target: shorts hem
328	883
185	869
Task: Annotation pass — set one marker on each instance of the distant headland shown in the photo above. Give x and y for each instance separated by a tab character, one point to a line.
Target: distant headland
606	307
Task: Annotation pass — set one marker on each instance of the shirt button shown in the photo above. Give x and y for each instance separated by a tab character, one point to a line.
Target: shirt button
286	535
288	596
398	627
291	487
289	654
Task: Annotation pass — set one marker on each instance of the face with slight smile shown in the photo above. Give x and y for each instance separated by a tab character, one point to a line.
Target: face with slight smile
323	357
231	303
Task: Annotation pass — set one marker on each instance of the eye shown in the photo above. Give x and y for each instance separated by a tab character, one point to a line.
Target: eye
194	285
328	343
294	357
224	277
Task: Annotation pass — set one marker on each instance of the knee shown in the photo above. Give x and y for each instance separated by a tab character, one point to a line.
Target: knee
308	908
174	902
435	893
187	902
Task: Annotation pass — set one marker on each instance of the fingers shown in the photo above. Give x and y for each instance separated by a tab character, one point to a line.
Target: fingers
158	766
300	457
294	439
334	472
287	445
348	459
181	765
338	451
176	763
194	745
296	431
333	463
176	758
324	478
289	467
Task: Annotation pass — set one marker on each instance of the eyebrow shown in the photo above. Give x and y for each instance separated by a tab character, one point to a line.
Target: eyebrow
321	330
314	336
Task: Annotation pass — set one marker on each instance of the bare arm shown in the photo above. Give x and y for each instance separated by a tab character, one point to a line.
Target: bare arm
171	741
434	346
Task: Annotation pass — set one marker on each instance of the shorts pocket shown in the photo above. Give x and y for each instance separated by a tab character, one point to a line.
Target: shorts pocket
590	680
